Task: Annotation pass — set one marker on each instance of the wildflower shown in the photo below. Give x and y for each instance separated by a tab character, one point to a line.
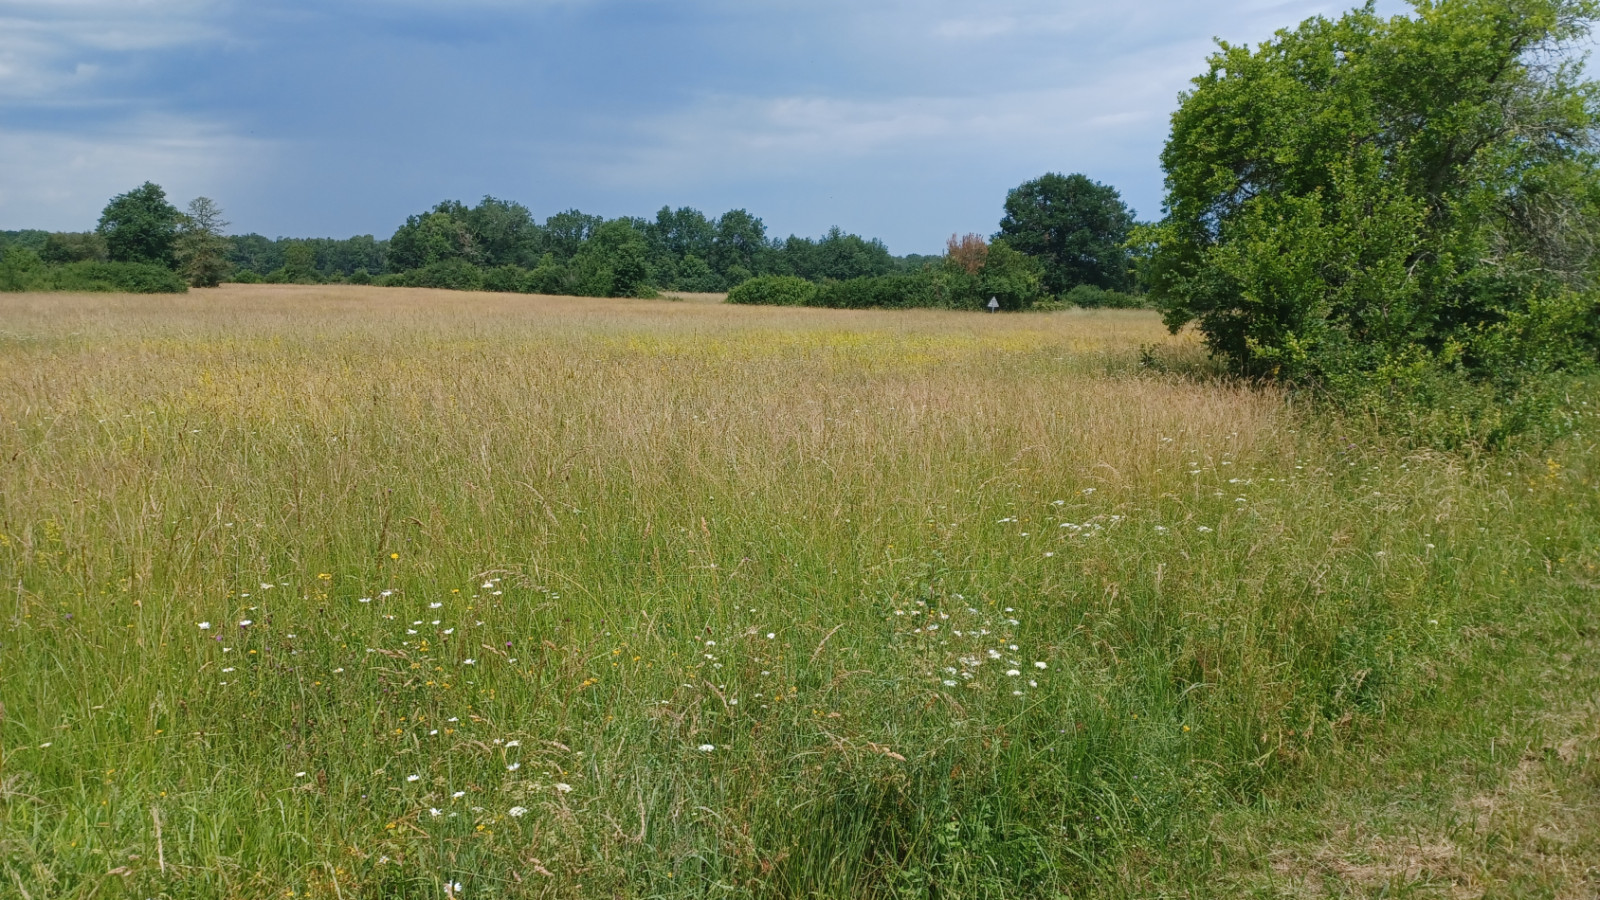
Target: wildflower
413	777
435	605
513	767
513	743
453	887
245	622
1016	693
299	774
771	635
205	626
469	662
458	795
1204	530
436	813
949	683
394	556
517	812
707	748
364	600
1013	672
1040	665
563	787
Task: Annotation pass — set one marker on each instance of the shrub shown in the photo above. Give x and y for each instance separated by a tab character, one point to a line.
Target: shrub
506	279
360	276
245	276
883	292
774	290
449	274
124	277
1089	296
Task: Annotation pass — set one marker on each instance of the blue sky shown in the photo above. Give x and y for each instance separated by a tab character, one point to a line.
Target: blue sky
907	121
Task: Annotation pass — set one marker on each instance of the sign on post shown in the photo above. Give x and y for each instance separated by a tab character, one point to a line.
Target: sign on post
994	305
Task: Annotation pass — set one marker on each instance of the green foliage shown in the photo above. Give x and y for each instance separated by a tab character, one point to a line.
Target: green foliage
549	277
506	279
614	262
360	276
882	291
299	264
775	290
1387	207
450	274
1077	227
201	250
1009	276
70	247
140	226
433	238
1090	297
22	270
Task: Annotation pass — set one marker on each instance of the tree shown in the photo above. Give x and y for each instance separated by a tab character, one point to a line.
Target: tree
1076	227
1397	197
201	249
504	233
740	242
299	263
437	236
565	232
140	226
614	262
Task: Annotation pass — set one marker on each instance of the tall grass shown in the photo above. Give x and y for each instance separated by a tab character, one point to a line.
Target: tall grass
561	597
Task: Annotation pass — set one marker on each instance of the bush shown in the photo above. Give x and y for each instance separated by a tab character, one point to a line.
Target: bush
449	274
246	277
1090	297
506	279
361	276
22	270
881	292
774	290
123	277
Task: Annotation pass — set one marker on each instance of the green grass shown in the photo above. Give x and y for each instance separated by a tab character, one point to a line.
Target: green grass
518	560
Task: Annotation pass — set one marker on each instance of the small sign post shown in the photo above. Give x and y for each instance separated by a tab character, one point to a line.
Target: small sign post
994	305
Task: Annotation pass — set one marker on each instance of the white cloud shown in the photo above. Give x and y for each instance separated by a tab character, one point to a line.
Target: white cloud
61	182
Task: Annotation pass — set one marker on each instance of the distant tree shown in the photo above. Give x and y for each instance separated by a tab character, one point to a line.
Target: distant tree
840	256
66	247
299	264
140	226
740	244
437	236
967	253
1076	227
201	249
695	274
565	232
504	233
614	262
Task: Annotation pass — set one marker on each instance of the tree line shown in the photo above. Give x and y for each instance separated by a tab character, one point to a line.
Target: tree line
1061	234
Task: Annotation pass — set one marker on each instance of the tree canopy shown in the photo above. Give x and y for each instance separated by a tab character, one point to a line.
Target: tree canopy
140	226
1076	227
1389	195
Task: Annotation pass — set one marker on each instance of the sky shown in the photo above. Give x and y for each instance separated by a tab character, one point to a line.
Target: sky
905	120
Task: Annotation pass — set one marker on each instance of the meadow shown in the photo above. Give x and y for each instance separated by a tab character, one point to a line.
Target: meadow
354	592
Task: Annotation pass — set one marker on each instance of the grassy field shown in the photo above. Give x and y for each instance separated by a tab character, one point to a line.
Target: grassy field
364	593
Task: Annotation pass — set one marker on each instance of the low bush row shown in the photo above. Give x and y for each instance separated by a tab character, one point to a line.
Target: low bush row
23	270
